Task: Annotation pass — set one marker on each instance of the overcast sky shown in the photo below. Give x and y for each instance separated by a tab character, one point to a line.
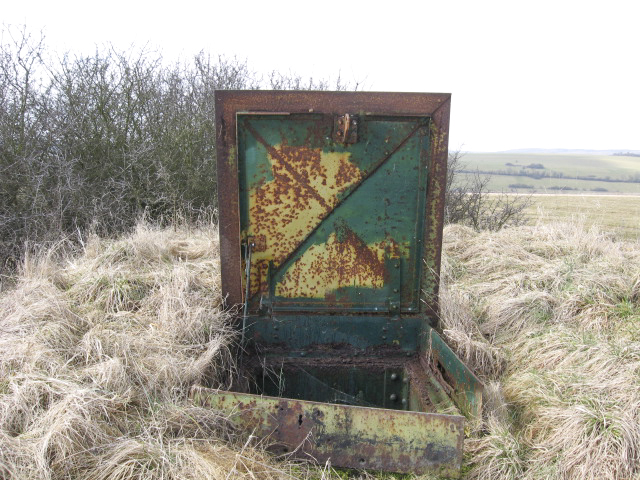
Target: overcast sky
523	74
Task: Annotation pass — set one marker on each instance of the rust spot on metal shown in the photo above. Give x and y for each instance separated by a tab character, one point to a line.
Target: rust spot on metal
259	243
345	260
289	158
306	186
346	173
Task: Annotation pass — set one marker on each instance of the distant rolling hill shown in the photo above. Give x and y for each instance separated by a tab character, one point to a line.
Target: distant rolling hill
573	151
559	171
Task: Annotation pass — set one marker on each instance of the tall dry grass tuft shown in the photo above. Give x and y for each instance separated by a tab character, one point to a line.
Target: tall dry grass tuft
462	332
549	316
98	352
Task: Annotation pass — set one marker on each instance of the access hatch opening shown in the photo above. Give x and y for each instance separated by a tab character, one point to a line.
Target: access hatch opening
331	216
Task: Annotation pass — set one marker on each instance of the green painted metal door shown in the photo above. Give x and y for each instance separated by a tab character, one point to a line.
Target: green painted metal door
335	208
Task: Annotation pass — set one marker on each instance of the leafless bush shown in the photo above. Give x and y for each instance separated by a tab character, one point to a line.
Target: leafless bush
292	81
94	142
469	202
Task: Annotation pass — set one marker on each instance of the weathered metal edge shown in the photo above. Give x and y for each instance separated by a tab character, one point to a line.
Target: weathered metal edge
344	435
467	388
229	103
434	215
359	332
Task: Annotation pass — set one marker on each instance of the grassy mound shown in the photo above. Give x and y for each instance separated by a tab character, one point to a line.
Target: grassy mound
550	318
97	355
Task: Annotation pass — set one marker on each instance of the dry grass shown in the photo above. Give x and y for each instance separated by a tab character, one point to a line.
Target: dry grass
550	317
614	213
97	356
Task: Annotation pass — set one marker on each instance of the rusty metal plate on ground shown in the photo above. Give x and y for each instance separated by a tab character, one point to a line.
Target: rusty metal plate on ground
347	436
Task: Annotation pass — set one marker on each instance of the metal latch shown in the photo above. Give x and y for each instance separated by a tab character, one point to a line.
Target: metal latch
345	128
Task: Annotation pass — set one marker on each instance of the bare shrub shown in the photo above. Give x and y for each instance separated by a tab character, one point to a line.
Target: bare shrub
93	143
469	202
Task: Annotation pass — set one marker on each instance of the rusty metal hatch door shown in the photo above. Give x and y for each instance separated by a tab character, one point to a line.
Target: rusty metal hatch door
331	215
337	221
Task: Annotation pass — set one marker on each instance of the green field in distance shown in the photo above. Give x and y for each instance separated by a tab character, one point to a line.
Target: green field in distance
598	173
619	214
